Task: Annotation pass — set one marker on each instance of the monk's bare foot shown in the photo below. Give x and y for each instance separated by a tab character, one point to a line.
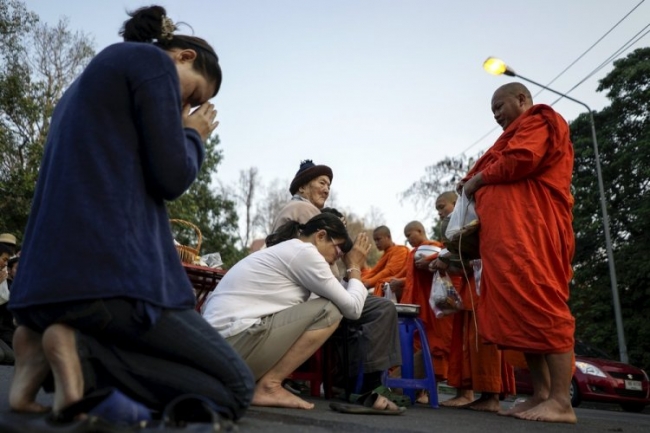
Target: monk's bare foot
488	402
30	370
422	397
521	406
463	398
60	348
274	395
550	410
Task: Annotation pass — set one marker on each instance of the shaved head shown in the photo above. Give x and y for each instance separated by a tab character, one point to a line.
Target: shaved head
449	196
415	233
382	231
515	89
414	225
509	102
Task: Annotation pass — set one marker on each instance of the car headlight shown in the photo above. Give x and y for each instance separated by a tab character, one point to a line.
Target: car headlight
590	369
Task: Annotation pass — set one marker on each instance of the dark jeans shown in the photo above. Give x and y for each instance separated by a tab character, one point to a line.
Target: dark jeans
179	354
374	337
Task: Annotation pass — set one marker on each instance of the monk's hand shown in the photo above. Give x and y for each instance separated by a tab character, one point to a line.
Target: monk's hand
472	185
396	284
203	119
422	263
356	257
438	265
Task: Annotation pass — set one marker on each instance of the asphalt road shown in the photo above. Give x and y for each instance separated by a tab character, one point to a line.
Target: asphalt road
591	418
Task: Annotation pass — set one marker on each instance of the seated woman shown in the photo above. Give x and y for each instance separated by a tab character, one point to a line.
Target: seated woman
262	306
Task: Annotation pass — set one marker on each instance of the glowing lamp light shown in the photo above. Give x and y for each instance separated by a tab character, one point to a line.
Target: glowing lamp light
496	66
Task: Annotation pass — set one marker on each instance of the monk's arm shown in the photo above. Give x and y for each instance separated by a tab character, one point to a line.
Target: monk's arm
395	263
522	154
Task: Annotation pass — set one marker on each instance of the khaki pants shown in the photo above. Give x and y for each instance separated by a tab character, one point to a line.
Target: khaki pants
263	345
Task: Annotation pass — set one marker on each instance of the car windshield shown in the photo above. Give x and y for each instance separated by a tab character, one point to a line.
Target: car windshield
583	349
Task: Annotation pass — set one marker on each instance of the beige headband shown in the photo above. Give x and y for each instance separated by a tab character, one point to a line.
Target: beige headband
167	29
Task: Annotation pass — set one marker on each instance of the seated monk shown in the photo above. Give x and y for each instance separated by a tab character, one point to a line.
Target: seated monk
413	285
473	364
389	265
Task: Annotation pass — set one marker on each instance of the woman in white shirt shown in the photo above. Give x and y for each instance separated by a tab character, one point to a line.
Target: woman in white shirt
262	305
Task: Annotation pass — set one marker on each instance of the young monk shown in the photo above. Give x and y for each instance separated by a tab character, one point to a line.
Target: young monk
414	284
390	264
527	249
473	365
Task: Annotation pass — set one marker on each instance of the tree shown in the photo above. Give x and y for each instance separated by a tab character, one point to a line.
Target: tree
245	191
623	130
214	214
276	195
438	178
38	64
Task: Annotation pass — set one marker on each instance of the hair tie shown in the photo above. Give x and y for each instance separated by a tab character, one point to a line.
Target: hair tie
167	28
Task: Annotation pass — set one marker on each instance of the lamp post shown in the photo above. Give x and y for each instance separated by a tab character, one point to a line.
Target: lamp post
498	67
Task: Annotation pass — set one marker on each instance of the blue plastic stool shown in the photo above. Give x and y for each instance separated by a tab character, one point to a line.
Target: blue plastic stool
409	323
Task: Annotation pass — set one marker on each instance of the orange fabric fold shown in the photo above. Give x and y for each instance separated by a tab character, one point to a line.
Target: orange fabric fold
391	263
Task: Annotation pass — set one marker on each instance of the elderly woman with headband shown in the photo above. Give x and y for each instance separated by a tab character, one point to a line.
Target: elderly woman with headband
114	307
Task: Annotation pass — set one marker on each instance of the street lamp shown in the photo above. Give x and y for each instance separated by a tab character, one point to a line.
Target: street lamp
498	67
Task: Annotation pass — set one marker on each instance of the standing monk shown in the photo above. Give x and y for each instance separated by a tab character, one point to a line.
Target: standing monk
523	200
415	287
389	265
473	364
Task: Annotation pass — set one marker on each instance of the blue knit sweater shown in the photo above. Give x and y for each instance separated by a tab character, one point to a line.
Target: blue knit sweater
116	150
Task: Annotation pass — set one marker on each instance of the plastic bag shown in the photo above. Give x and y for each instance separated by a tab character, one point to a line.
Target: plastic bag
389	294
212	260
444	298
477	265
462	230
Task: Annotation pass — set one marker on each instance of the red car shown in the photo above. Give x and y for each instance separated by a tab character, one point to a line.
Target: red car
598	377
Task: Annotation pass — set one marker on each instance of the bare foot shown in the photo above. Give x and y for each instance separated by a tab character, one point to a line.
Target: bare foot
550	410
60	348
521	406
488	402
422	397
30	370
274	395
463	398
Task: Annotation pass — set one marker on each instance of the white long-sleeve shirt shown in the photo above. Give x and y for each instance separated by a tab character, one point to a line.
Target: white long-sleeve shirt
274	279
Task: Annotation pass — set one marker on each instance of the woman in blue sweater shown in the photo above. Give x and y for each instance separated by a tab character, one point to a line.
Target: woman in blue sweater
101	296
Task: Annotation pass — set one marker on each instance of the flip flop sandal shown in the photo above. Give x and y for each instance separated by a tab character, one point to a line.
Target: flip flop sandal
105	407
364	410
189	410
399	399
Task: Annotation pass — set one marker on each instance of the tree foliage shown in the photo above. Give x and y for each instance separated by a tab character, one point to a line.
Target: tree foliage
438	178
38	62
623	133
212	213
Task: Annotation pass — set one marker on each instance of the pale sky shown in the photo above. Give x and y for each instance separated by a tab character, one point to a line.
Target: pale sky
376	89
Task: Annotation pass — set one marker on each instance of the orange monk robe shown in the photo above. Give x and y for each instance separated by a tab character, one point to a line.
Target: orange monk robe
473	364
390	264
527	241
417	289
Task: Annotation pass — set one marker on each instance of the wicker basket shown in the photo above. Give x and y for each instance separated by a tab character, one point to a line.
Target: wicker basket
188	254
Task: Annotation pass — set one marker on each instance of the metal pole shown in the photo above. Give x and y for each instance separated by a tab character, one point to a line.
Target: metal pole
622	347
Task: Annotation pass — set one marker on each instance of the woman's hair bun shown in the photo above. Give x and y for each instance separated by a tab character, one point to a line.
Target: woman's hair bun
145	24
